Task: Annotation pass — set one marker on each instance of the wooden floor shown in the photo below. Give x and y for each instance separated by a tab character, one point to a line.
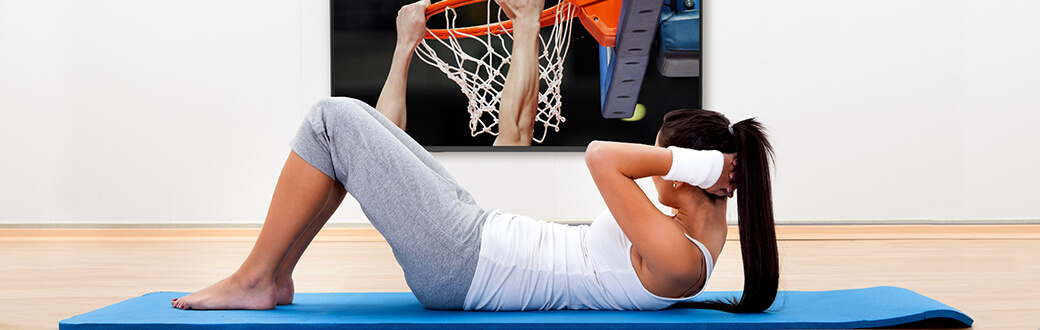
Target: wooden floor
992	273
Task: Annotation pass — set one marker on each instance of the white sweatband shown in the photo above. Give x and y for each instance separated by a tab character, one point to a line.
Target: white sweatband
701	168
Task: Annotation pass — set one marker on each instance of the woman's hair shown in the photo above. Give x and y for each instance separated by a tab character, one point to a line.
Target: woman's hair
710	130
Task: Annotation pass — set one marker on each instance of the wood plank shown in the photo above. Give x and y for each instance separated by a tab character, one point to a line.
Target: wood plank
896	232
52	273
369	234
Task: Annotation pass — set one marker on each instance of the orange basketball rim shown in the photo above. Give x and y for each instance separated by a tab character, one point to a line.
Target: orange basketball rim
600	18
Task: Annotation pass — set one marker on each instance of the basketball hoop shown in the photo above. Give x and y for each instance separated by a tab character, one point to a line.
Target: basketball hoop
548	17
480	55
600	18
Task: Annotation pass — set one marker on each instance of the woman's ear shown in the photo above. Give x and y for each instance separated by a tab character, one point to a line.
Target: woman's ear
677	185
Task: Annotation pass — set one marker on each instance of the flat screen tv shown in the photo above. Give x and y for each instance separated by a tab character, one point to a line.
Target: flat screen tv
363	40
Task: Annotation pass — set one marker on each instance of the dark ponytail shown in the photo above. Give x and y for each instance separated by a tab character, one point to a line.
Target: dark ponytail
755	218
709	130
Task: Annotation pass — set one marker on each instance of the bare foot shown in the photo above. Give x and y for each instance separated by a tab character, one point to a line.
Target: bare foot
284	291
230	293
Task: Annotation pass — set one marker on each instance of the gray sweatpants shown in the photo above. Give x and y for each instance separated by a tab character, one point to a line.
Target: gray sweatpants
432	224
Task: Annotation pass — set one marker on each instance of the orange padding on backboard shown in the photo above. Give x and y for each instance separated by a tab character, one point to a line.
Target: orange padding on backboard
600	18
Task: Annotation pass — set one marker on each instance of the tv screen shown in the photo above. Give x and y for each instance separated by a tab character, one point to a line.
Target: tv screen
363	40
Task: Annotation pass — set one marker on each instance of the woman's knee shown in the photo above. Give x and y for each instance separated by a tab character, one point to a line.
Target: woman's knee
333	109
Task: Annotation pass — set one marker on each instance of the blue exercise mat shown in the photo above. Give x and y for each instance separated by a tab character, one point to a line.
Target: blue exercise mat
857	308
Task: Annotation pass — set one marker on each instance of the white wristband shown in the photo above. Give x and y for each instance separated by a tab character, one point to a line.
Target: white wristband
701	168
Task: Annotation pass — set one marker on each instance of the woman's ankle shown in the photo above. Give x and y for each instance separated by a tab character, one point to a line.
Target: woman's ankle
283	280
251	279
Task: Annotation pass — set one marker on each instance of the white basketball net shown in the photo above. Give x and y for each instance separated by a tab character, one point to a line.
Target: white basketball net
479	65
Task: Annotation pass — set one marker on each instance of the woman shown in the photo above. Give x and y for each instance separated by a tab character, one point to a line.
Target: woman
457	255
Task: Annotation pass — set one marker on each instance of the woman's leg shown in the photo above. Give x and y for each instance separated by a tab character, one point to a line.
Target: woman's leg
283	277
284	289
431	223
299	198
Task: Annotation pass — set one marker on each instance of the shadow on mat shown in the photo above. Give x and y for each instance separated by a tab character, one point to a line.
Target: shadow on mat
932	323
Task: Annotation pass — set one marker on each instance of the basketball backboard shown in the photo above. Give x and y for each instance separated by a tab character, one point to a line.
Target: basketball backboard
624	64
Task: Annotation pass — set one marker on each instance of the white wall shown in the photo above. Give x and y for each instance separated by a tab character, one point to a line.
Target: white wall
887	109
130	112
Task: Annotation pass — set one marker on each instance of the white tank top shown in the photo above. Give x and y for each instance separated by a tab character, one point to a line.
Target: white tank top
527	264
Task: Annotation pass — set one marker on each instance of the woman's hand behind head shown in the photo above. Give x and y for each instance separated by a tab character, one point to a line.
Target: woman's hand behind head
727	182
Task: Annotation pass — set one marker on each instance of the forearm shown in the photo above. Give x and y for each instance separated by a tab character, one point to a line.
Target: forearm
519	102
392	98
701	168
631	160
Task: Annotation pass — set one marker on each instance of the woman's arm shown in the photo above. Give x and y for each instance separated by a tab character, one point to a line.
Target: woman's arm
411	27
519	103
655	236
